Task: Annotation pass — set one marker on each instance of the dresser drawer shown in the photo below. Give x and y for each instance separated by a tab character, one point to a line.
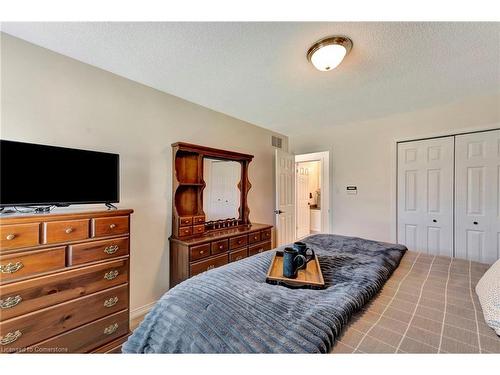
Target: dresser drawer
185	231
19	235
185	221
37	293
199	229
63	231
208	264
87	337
198	219
110	226
265	235
236	242
259	248
238	255
30	263
219	247
32	328
97	250
254	237
199	252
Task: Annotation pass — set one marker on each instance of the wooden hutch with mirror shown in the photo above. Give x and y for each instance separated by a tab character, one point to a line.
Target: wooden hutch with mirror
210	214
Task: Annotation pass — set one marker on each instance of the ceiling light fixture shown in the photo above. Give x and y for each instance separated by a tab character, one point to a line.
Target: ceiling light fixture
327	53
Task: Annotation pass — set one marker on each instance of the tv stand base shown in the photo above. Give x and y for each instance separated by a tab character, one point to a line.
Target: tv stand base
111	206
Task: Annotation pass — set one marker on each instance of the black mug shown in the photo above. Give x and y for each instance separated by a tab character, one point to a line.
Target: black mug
292	262
302	248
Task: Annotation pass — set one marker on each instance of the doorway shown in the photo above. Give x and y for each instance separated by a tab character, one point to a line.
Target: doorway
311	194
296	199
308	198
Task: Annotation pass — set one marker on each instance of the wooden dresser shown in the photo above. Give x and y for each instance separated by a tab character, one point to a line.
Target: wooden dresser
64	281
192	256
198	245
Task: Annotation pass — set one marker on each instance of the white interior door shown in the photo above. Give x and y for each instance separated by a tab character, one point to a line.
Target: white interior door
303	212
285	197
425	195
477	204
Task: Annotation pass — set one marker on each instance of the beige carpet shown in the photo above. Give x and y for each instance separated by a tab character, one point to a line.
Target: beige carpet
427	306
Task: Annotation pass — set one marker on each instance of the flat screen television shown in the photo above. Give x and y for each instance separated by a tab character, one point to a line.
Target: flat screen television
37	175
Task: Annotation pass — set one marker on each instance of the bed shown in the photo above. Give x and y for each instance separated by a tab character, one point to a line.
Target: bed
232	310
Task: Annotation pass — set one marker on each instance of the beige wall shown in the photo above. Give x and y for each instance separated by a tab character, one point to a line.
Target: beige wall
49	98
363	154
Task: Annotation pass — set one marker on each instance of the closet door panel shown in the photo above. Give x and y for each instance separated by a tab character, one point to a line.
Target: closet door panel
425	195
477	191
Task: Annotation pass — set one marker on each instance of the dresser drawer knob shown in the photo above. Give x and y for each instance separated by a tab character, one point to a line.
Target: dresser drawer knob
202	251
112	226
210	267
111	329
10	302
11	267
221	247
239	257
111	275
111	302
69	230
10	337
111	249
10	237
260	250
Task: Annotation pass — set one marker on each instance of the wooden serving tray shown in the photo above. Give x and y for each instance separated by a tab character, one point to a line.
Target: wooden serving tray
311	277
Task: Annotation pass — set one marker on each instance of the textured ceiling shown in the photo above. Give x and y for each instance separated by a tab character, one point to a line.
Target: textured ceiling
258	72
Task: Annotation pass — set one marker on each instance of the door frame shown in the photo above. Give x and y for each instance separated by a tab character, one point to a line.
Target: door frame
394	165
324	158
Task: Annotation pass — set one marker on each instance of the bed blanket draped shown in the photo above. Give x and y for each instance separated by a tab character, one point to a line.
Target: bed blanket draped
233	310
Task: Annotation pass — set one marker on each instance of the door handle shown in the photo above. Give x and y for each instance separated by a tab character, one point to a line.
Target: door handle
434	221
278	212
475	223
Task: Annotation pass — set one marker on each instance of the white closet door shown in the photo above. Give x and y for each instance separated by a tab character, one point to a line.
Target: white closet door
425	195
477	205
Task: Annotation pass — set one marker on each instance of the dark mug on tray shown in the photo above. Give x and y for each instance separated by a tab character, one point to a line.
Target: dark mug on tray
292	262
302	248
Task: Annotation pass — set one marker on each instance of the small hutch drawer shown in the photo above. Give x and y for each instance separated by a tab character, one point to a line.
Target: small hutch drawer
200	219
185	231
19	235
185	221
207	265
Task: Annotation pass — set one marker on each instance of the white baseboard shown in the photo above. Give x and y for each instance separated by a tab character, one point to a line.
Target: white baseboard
139	311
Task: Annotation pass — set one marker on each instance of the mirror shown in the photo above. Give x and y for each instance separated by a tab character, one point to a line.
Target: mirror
221	196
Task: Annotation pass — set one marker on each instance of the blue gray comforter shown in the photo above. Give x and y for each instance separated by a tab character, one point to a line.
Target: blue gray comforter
233	310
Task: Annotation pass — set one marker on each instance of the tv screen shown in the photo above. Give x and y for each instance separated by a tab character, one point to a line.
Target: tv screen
32	174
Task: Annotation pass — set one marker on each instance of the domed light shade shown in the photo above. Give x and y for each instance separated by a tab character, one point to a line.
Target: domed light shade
326	54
